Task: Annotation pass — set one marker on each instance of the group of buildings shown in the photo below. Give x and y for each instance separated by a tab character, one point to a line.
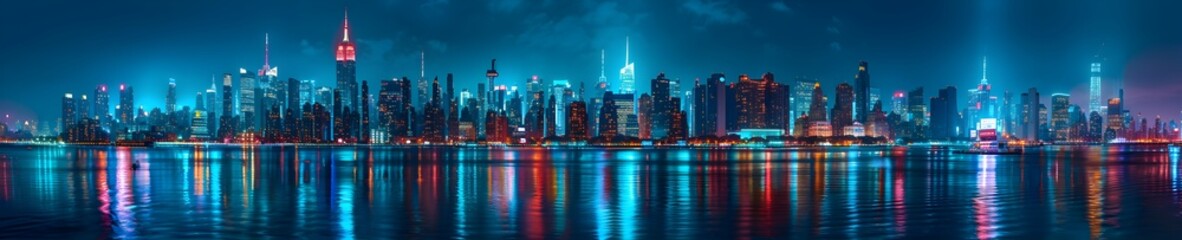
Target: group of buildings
262	108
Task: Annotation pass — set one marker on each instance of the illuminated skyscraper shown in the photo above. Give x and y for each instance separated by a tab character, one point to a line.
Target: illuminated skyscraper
1095	100
861	93
226	127
102	106
661	108
69	111
628	72
346	58
492	76
843	109
1060	102
246	100
170	99
126	108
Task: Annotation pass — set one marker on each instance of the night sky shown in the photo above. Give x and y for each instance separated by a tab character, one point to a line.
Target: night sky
53	47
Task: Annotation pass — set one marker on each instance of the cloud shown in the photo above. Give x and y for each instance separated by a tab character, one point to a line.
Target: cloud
715	12
375	48
780	7
833	30
308	49
503	5
437	45
835	46
599	24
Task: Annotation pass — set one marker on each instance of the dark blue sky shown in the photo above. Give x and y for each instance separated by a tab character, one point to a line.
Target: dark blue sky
52	47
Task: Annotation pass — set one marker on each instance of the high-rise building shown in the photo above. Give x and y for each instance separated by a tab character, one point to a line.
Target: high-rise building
628	72
608	116
551	117
861	93
751	99
801	99
916	110
1060	102
576	118
424	85
710	107
170	99
246	99
817	112
626	119
563	94
102	106
346	59
943	114
843	109
1115	119
434	121
453	108
899	103
644	111
69	111
661	109
307	92
84	108
364	130
492	75
1095	98
227	127
1030	116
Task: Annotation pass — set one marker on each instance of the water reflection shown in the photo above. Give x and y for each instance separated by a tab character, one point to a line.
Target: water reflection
300	192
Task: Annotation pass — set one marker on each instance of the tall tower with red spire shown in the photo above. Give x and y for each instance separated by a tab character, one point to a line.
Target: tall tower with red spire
346	67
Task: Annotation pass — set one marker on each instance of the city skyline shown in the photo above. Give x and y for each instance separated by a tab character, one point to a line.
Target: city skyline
242	42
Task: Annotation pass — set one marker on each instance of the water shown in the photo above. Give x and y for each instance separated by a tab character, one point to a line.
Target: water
318	193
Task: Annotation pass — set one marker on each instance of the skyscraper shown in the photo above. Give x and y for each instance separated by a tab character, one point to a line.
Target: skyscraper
710	108
170	99
662	109
608	127
1095	98
453	108
916	110
491	74
246	100
1060	102
644	111
801	99
628	72
862	93
576	118
843	109
817	112
69	111
226	127
943	114
346	58
126	106
1030	115
364	130
102	106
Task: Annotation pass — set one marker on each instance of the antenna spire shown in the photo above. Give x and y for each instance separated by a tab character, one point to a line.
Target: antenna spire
422	64
984	70
627	41
267	50
602	55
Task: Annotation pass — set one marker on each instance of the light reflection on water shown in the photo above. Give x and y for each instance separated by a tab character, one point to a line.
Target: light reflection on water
290	192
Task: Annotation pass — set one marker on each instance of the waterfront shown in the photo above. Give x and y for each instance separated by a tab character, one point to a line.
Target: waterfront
359	192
